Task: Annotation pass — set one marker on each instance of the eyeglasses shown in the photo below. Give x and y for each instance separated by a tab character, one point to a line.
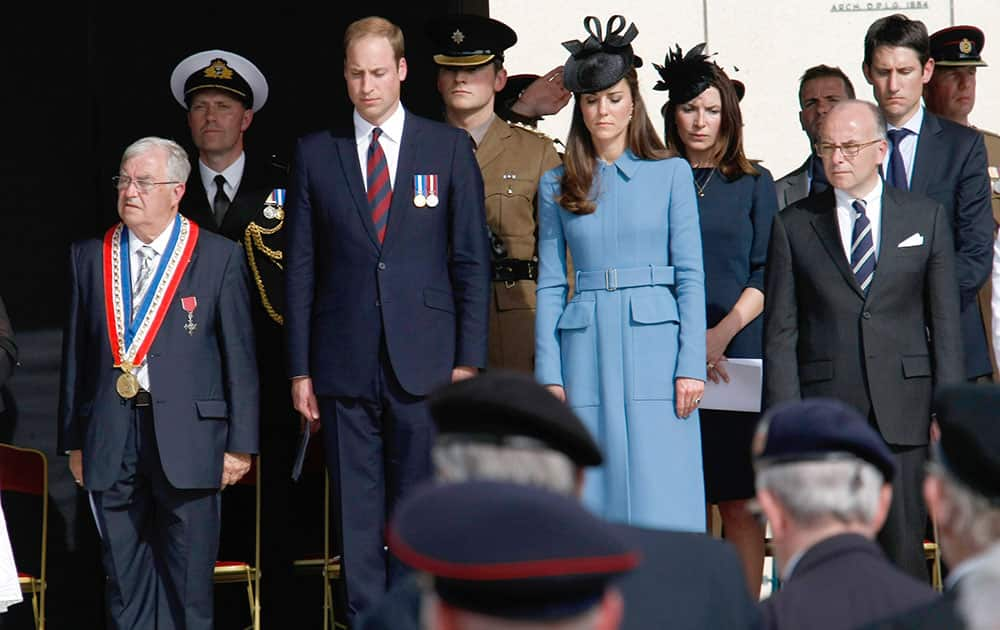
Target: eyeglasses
852	150
121	182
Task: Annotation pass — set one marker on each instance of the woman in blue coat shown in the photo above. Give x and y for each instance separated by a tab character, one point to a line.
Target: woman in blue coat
736	203
628	351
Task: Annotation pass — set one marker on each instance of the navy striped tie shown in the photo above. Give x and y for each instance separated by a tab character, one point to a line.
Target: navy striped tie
379	189
862	248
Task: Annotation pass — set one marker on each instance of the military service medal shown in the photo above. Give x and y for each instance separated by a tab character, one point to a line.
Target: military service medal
274	205
432	191
420	190
189	304
131	337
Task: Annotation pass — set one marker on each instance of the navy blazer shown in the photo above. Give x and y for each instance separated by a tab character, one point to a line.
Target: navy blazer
950	167
204	385
424	291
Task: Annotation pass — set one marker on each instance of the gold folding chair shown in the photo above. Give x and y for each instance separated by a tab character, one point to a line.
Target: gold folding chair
26	471
932	552
242	571
328	566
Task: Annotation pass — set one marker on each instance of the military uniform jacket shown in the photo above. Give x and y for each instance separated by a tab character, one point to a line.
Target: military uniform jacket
992	141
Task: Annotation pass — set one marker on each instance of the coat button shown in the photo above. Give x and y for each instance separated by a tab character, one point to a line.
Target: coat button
866	315
381	266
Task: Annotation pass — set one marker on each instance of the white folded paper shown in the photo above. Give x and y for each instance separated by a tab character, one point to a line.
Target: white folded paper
741	393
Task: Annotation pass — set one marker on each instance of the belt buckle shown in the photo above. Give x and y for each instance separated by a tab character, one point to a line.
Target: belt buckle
611	279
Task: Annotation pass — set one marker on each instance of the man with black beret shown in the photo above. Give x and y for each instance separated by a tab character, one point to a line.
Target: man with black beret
823	481
470	52
962	490
504	426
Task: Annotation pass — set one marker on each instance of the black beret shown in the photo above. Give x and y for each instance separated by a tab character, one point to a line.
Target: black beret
819	429
469	40
509	550
219	70
969	418
599	62
503	403
958	46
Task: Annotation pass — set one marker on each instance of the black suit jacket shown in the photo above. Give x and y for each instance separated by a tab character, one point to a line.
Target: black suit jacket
950	167
204	385
842	582
8	350
685	582
793	186
824	337
941	613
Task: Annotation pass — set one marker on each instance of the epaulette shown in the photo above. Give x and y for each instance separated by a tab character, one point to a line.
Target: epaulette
988	133
536	132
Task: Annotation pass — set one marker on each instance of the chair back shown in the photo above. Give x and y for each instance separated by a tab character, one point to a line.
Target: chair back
24	487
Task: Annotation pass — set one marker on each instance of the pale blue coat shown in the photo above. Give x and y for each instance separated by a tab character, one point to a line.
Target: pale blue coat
618	352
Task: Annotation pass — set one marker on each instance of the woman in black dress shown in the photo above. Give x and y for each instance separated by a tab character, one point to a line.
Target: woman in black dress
736	204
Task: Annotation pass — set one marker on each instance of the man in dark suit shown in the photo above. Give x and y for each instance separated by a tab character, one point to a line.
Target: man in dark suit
8	351
862	306
963	493
823	481
937	158
820	88
387	292
222	91
504	426
158	398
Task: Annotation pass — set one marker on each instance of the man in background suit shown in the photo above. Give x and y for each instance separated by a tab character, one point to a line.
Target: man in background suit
222	91
388	292
856	278
937	158
158	397
823	481
820	88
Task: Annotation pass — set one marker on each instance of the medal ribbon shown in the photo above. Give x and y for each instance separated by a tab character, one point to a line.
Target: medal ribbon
432	185
418	186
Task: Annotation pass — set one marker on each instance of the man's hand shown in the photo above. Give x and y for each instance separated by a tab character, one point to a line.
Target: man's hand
462	372
304	400
544	97
76	466
234	466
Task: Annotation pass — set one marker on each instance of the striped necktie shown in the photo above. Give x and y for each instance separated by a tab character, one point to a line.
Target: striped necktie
379	189
862	247
146	253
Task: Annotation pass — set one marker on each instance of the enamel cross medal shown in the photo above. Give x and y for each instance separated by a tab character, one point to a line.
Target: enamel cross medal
189	304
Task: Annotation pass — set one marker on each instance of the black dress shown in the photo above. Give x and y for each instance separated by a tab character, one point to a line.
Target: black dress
736	221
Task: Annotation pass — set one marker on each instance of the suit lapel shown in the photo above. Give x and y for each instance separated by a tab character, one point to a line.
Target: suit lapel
828	229
245	205
347	149
893	230
928	153
402	188
194	204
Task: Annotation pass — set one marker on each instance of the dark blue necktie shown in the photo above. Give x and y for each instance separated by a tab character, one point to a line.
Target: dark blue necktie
862	247
897	169
817	175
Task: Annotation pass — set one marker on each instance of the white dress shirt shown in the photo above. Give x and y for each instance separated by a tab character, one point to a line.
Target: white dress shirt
233	175
392	136
846	215
159	245
907	146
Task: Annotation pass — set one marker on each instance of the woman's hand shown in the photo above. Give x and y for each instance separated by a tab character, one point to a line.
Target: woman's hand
687	395
557	391
716	341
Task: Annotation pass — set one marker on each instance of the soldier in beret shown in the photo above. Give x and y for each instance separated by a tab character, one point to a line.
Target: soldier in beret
823	481
241	195
962	490
512	160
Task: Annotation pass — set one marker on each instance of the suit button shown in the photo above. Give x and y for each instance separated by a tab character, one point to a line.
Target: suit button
381	266
866	315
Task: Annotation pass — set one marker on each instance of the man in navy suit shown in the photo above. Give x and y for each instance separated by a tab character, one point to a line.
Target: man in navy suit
937	158
387	280
158	400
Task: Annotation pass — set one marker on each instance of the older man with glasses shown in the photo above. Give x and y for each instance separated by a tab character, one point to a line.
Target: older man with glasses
862	306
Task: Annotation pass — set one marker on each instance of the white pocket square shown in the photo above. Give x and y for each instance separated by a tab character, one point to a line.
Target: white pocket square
913	240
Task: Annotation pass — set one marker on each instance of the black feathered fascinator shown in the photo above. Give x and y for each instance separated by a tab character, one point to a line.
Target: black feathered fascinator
686	76
601	60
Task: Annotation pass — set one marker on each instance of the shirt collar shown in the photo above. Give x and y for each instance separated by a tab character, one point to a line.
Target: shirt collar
845	200
233	173
627	163
966	567
914	123
159	243
392	128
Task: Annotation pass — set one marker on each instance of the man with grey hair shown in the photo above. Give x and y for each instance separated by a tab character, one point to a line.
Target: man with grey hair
504	426
962	490
158	397
823	481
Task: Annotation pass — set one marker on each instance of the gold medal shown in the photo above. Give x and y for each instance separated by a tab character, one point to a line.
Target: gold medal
127	385
419	200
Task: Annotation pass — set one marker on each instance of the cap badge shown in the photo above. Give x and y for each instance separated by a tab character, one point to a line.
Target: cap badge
458	36
218	69
965	46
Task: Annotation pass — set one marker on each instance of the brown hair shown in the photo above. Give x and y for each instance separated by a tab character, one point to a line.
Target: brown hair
376	27
578	177
898	31
823	71
729	156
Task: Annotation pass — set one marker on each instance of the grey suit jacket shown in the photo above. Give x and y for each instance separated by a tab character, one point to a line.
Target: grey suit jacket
794	186
824	337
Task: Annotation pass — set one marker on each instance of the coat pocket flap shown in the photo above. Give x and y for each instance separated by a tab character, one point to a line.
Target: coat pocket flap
918	365
653	309
816	371
576	315
440	300
212	408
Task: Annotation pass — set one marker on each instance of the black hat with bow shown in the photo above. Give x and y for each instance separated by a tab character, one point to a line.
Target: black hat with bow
602	59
